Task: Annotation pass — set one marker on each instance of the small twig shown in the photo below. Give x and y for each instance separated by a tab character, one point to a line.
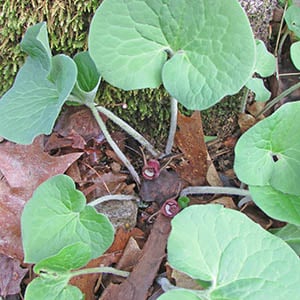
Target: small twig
191	190
280	29
112	197
97	174
286	33
289	74
132	132
173	124
113	144
278	40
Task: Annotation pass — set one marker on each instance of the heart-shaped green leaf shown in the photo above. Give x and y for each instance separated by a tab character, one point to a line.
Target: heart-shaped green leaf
290	233
295	54
265	61
88	78
257	86
211	47
42	85
56	216
268	153
241	259
47	288
292	18
70	257
278	205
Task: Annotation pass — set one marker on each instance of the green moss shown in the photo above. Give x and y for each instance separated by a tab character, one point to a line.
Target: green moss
68	23
146	110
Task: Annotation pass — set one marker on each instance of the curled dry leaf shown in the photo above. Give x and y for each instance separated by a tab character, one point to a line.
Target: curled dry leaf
78	120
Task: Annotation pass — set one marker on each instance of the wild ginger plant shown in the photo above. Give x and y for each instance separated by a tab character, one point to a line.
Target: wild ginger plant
200	52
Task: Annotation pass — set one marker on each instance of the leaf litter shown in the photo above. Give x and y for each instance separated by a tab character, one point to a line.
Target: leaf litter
97	172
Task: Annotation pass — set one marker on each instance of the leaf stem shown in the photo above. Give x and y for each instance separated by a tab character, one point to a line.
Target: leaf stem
279	98
173	124
100	270
191	190
112	143
166	286
112	197
244	100
129	130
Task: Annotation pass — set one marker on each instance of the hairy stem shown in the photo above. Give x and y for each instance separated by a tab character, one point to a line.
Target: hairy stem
244	101
100	270
173	124
166	286
191	190
112	197
112	143
129	130
279	98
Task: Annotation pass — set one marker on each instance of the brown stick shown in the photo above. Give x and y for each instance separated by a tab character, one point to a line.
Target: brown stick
136	286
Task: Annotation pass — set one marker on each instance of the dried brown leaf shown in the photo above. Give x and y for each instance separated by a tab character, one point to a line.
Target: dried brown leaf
137	284
165	186
190	140
11	275
78	120
24	167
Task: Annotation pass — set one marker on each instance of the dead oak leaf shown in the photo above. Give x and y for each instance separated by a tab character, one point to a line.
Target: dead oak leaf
11	275
24	168
27	166
189	139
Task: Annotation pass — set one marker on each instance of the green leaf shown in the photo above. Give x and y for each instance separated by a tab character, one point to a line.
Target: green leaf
41	87
257	86
241	259
265	61
291	235
210	56
280	206
292	18
178	295
70	257
49	288
268	153
183	201
88	78
295	54
36	44
56	216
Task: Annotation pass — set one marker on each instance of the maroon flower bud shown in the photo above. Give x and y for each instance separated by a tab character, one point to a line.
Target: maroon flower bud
170	208
151	169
